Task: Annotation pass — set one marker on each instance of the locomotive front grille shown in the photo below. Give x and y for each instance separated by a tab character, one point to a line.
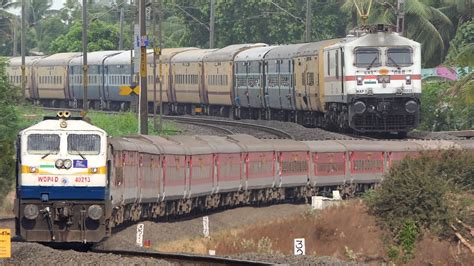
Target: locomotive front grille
370	122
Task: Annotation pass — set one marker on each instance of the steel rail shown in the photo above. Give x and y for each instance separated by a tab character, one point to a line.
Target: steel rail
224	130
181	257
277	132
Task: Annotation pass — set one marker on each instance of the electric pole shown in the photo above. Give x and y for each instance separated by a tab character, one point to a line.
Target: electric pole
401	16
143	101
121	29
308	21
85	105
211	25
160	41
155	39
23	50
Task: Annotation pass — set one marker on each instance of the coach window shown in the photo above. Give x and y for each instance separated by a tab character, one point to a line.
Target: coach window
367	57
43	144
83	144
399	57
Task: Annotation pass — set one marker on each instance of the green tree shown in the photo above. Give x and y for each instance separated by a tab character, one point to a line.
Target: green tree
101	36
8	128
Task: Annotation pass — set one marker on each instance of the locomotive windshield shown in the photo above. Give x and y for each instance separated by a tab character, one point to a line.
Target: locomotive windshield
367	57
83	144
43	143
399	57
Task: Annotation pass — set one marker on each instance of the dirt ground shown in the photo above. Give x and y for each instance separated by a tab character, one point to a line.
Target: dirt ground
346	232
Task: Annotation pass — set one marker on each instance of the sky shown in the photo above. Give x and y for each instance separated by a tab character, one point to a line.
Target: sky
57	4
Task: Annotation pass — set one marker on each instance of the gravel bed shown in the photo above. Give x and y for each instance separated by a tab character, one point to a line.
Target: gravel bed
298	131
190	129
37	254
293	260
162	232
432	135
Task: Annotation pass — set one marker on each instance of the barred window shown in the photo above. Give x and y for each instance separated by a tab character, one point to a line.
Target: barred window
43	143
310	78
83	144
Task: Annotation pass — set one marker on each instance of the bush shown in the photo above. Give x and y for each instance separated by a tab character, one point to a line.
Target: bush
425	192
8	129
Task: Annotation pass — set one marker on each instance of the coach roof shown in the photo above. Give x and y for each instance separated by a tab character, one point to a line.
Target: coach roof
94	58
61	59
228	53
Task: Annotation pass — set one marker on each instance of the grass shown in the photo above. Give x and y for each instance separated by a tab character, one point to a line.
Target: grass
119	124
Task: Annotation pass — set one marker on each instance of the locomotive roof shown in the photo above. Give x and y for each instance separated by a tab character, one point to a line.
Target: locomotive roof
93	58
168	53
284	51
313	47
16	61
228	53
51	125
61	59
191	56
254	53
379	39
437	144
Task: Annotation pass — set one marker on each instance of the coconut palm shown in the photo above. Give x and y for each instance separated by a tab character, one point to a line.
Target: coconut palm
423	23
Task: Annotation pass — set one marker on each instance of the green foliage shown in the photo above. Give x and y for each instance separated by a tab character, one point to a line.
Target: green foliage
253	21
407	237
8	127
448	106
101	36
418	193
461	50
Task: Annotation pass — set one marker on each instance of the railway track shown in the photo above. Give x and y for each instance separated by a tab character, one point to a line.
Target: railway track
224	126
213	122
180	259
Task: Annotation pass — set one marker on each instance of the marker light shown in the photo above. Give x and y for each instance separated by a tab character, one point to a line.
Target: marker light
33	169
359	80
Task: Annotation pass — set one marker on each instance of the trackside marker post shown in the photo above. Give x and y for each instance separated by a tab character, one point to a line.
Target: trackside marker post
5	243
299	246
205	226
140	230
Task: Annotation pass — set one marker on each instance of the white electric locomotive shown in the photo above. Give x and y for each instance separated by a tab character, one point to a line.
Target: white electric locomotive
372	81
62	180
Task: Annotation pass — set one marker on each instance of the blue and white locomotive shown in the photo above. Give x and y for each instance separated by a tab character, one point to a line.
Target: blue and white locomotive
62	180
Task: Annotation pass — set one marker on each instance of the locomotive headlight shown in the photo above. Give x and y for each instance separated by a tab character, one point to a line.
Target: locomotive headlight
408	80
59	163
67	163
411	107
33	169
359	107
359	80
95	212
31	211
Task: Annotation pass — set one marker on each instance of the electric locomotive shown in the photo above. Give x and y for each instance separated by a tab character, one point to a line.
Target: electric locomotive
62	181
372	81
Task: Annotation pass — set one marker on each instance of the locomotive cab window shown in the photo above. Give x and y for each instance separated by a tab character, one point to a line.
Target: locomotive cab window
83	144
367	57
399	57
43	144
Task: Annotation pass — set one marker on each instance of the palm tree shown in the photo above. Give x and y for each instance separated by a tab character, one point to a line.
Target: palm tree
423	23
